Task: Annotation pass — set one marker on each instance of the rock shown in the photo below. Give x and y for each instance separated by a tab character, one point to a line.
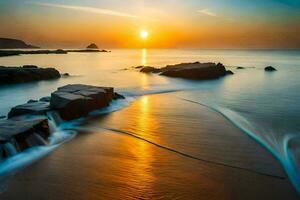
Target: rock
8	43
150	70
270	69
2	117
32	101
198	71
240	68
30	66
18	135
45	99
26	74
229	72
30	108
118	96
66	74
75	101
61	51
139	67
92	46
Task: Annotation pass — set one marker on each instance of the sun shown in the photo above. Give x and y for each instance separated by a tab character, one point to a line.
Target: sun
144	34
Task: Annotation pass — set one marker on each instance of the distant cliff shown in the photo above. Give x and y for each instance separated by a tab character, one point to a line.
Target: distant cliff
7	43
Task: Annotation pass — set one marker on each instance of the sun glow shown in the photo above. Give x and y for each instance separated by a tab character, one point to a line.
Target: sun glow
144	34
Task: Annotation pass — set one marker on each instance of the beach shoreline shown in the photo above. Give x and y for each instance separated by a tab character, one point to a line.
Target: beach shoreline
110	161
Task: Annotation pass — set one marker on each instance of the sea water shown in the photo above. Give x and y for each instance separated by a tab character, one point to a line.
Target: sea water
264	105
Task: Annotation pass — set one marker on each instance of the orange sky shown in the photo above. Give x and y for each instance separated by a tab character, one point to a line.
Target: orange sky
54	25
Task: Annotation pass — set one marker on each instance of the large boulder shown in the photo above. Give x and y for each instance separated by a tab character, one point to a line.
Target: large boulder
195	70
26	73
75	101
30	108
19	134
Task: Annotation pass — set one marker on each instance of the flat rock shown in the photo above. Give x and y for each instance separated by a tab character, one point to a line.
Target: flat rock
30	108
19	134
75	101
26	74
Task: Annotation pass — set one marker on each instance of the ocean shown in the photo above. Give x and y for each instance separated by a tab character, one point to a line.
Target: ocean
262	105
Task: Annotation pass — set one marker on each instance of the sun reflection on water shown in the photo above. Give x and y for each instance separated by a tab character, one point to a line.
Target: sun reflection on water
144	57
142	168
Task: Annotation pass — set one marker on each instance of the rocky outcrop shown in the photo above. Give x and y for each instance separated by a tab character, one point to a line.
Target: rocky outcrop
27	124
26	73
8	43
198	71
270	69
19	134
75	101
92	46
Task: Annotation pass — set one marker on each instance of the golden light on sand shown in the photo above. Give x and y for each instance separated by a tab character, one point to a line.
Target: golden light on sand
144	34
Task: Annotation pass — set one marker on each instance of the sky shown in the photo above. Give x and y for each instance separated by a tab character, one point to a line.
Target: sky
217	24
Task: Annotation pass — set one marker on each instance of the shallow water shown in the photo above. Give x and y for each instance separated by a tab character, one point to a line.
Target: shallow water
263	105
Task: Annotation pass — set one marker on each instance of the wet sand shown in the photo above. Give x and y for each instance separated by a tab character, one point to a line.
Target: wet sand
160	147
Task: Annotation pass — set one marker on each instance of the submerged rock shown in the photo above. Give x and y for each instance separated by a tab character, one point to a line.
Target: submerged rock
240	68
270	69
32	101
45	99
229	72
18	135
26	73
75	101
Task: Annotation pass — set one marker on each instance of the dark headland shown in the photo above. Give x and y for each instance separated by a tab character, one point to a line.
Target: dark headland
10	46
8	43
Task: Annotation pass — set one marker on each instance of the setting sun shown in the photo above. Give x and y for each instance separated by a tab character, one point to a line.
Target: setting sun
144	34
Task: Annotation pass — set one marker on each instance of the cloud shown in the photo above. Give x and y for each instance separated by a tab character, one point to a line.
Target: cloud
207	12
86	9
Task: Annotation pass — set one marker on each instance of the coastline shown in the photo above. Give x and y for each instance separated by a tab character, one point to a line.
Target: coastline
101	161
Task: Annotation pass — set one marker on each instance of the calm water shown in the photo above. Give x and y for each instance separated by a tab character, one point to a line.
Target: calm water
262	105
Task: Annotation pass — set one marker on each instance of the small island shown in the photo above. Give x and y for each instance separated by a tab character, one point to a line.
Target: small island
92	46
195	71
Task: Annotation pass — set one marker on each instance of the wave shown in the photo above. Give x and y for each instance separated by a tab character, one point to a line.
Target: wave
286	152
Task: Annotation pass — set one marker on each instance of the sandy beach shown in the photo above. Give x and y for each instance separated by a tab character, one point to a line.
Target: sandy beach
160	147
